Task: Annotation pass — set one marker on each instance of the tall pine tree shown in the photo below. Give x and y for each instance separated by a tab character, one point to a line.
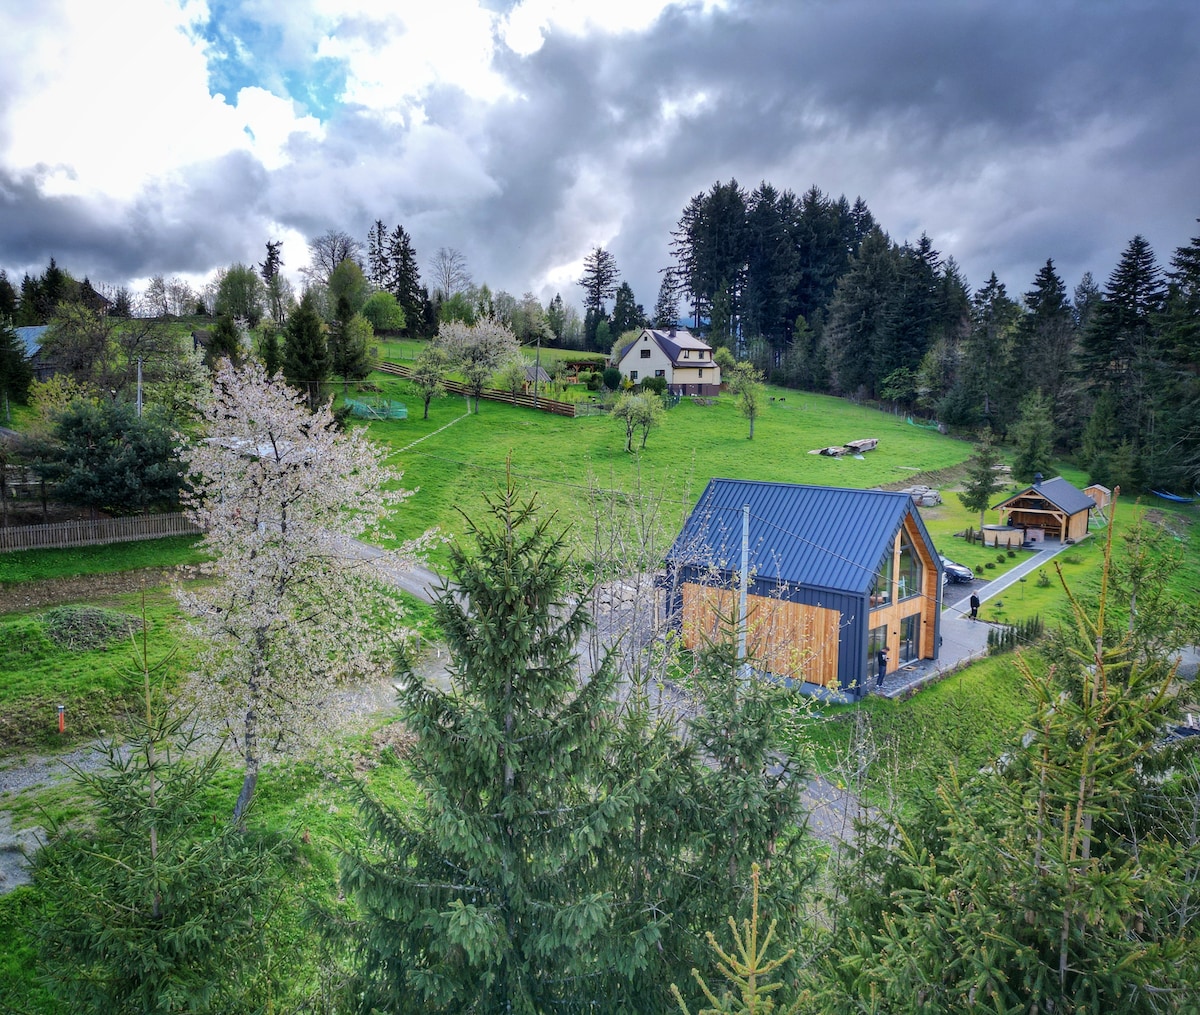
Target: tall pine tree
306	360
403	280
489	897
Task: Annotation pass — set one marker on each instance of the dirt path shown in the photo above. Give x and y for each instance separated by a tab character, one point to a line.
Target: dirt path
16	597
831	810
353	706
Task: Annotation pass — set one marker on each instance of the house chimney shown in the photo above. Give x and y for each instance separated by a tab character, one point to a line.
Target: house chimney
672	331
1037	479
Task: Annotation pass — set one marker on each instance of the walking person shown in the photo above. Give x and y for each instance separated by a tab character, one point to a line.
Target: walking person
882	659
974	606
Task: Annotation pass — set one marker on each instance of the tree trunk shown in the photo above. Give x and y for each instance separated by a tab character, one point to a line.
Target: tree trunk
250	733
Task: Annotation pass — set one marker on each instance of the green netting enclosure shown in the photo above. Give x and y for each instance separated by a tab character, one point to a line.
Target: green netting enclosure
376	408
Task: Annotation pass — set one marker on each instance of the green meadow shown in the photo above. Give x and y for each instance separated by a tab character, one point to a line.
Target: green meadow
455	457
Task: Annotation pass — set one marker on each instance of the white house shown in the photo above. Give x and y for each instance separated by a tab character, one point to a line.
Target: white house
684	361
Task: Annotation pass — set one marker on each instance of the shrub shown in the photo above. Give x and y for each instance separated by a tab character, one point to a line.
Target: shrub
612	378
1001	558
990	565
80	628
1043	579
656	384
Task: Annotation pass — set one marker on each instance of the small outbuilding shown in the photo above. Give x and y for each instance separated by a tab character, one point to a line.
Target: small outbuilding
31	338
1050	509
834	575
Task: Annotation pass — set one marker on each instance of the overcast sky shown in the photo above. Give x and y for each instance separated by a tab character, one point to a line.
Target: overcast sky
178	136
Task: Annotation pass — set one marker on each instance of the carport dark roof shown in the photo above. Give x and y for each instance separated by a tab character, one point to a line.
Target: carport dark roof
1063	495
818	536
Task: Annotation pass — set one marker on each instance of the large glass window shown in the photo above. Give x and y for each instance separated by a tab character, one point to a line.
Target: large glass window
909	573
881	590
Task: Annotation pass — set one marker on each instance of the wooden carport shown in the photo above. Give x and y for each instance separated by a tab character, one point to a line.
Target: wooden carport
1054	509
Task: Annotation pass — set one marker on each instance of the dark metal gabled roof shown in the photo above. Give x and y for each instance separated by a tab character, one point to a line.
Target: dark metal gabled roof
1062	494
818	536
671	345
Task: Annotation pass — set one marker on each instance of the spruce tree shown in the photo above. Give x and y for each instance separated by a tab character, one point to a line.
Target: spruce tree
1060	880
982	480
155	906
403	280
1047	339
991	363
349	338
16	373
224	342
1121	341
306	360
666	308
491	897
627	313
1033	438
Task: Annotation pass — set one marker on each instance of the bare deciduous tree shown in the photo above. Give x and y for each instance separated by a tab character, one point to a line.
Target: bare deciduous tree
448	272
327	252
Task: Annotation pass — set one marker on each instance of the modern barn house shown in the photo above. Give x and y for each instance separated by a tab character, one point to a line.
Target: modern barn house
834	575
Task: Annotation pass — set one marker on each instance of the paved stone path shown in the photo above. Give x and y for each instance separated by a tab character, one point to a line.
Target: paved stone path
963	639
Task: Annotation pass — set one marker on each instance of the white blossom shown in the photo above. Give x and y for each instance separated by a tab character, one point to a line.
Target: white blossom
281	495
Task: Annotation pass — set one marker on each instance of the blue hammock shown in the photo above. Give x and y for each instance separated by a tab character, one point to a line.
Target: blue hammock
1174	497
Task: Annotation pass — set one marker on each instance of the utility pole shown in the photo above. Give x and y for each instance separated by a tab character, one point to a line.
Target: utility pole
743	667
537	368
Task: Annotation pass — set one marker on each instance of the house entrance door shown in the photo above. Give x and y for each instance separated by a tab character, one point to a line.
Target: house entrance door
909	628
876	639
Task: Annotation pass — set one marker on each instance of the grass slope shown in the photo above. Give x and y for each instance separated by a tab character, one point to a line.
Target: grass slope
453	458
36	565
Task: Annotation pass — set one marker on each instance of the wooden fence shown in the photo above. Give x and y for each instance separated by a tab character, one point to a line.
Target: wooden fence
490	394
93	533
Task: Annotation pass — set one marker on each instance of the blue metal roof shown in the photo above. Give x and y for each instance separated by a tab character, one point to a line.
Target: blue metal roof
820	536
32	337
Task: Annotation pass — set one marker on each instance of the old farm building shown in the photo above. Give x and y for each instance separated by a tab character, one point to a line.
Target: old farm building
1054	509
835	574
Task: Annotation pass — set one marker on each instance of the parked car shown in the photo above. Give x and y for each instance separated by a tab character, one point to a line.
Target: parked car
957	573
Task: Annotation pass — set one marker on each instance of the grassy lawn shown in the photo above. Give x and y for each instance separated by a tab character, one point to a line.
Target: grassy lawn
454	458
57	657
963	723
35	565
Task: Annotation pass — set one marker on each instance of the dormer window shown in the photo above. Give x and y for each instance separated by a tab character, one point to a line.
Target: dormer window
687	353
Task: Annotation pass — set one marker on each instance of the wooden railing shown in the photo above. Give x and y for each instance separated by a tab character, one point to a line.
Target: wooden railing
94	532
490	394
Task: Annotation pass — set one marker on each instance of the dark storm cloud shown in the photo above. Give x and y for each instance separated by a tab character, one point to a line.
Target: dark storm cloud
894	102
1009	132
197	223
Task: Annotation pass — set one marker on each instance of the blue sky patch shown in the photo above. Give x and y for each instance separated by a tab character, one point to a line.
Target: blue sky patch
246	53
